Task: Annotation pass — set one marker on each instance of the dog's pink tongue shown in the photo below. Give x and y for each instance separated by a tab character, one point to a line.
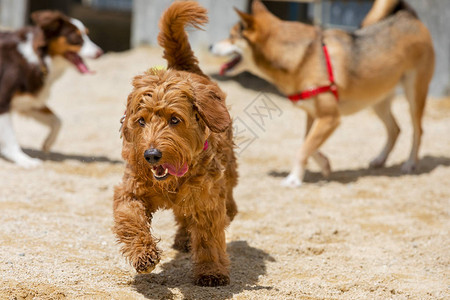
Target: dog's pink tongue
77	61
223	69
176	172
82	68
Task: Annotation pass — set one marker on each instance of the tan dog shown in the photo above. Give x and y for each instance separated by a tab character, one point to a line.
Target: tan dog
367	65
179	151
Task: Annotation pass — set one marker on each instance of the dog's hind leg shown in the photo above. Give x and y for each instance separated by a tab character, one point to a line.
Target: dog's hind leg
231	175
416	89
46	117
182	240
231	206
324	125
383	111
320	158
9	147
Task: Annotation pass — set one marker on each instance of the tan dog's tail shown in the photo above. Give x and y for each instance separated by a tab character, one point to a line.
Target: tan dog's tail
173	37
384	8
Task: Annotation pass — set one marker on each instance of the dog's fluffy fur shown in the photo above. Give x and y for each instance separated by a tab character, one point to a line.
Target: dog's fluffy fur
172	113
368	64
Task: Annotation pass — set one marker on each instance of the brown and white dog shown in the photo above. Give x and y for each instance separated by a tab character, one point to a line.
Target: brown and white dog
31	59
367	65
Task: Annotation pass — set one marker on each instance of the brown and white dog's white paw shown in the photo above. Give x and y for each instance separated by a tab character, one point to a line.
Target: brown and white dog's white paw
24	161
30	163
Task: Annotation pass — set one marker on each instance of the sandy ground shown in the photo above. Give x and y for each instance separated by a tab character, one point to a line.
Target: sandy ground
361	234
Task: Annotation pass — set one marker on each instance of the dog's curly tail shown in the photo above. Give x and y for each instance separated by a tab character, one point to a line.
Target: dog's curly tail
173	37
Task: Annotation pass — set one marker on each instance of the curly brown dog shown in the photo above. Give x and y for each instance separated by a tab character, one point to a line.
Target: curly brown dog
179	152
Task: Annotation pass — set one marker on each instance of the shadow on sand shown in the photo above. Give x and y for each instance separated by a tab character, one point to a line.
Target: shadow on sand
58	157
426	165
247	264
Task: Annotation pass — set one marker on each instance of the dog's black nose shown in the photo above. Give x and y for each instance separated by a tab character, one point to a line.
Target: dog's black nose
152	155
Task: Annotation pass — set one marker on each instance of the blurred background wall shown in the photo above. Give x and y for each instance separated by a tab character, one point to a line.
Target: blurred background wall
118	25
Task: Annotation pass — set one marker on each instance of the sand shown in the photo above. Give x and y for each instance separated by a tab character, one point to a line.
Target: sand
361	234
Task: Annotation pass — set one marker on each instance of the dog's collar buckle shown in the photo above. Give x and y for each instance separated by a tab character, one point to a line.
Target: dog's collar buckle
322	89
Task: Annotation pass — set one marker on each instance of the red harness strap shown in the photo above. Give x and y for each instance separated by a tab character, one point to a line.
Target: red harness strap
322	89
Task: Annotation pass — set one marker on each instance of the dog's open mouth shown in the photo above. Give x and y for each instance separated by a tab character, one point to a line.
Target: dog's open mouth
235	60
78	62
161	172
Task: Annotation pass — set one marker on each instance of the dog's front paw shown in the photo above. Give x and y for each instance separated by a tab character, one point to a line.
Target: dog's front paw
213	280
291	181
146	262
409	167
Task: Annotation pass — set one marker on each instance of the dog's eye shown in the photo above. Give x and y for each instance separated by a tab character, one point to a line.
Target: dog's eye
75	38
141	122
174	121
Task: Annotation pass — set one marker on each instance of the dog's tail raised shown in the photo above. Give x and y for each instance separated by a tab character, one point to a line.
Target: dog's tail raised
384	8
173	37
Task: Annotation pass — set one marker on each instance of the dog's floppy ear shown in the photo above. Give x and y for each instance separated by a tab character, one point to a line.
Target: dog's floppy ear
209	101
49	20
124	130
246	19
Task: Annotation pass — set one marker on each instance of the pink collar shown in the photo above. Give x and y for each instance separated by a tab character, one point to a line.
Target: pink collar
322	89
206	145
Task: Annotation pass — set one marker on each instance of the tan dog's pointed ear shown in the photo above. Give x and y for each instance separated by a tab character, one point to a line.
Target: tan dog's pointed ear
246	19
259	7
48	20
209	101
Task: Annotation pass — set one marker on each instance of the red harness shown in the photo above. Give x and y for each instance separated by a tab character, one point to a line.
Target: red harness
322	89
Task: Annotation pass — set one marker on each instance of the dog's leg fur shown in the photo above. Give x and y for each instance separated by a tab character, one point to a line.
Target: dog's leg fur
9	147
325	123
383	111
232	175
182	239
211	262
318	156
205	220
45	116
231	206
132	228
415	85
